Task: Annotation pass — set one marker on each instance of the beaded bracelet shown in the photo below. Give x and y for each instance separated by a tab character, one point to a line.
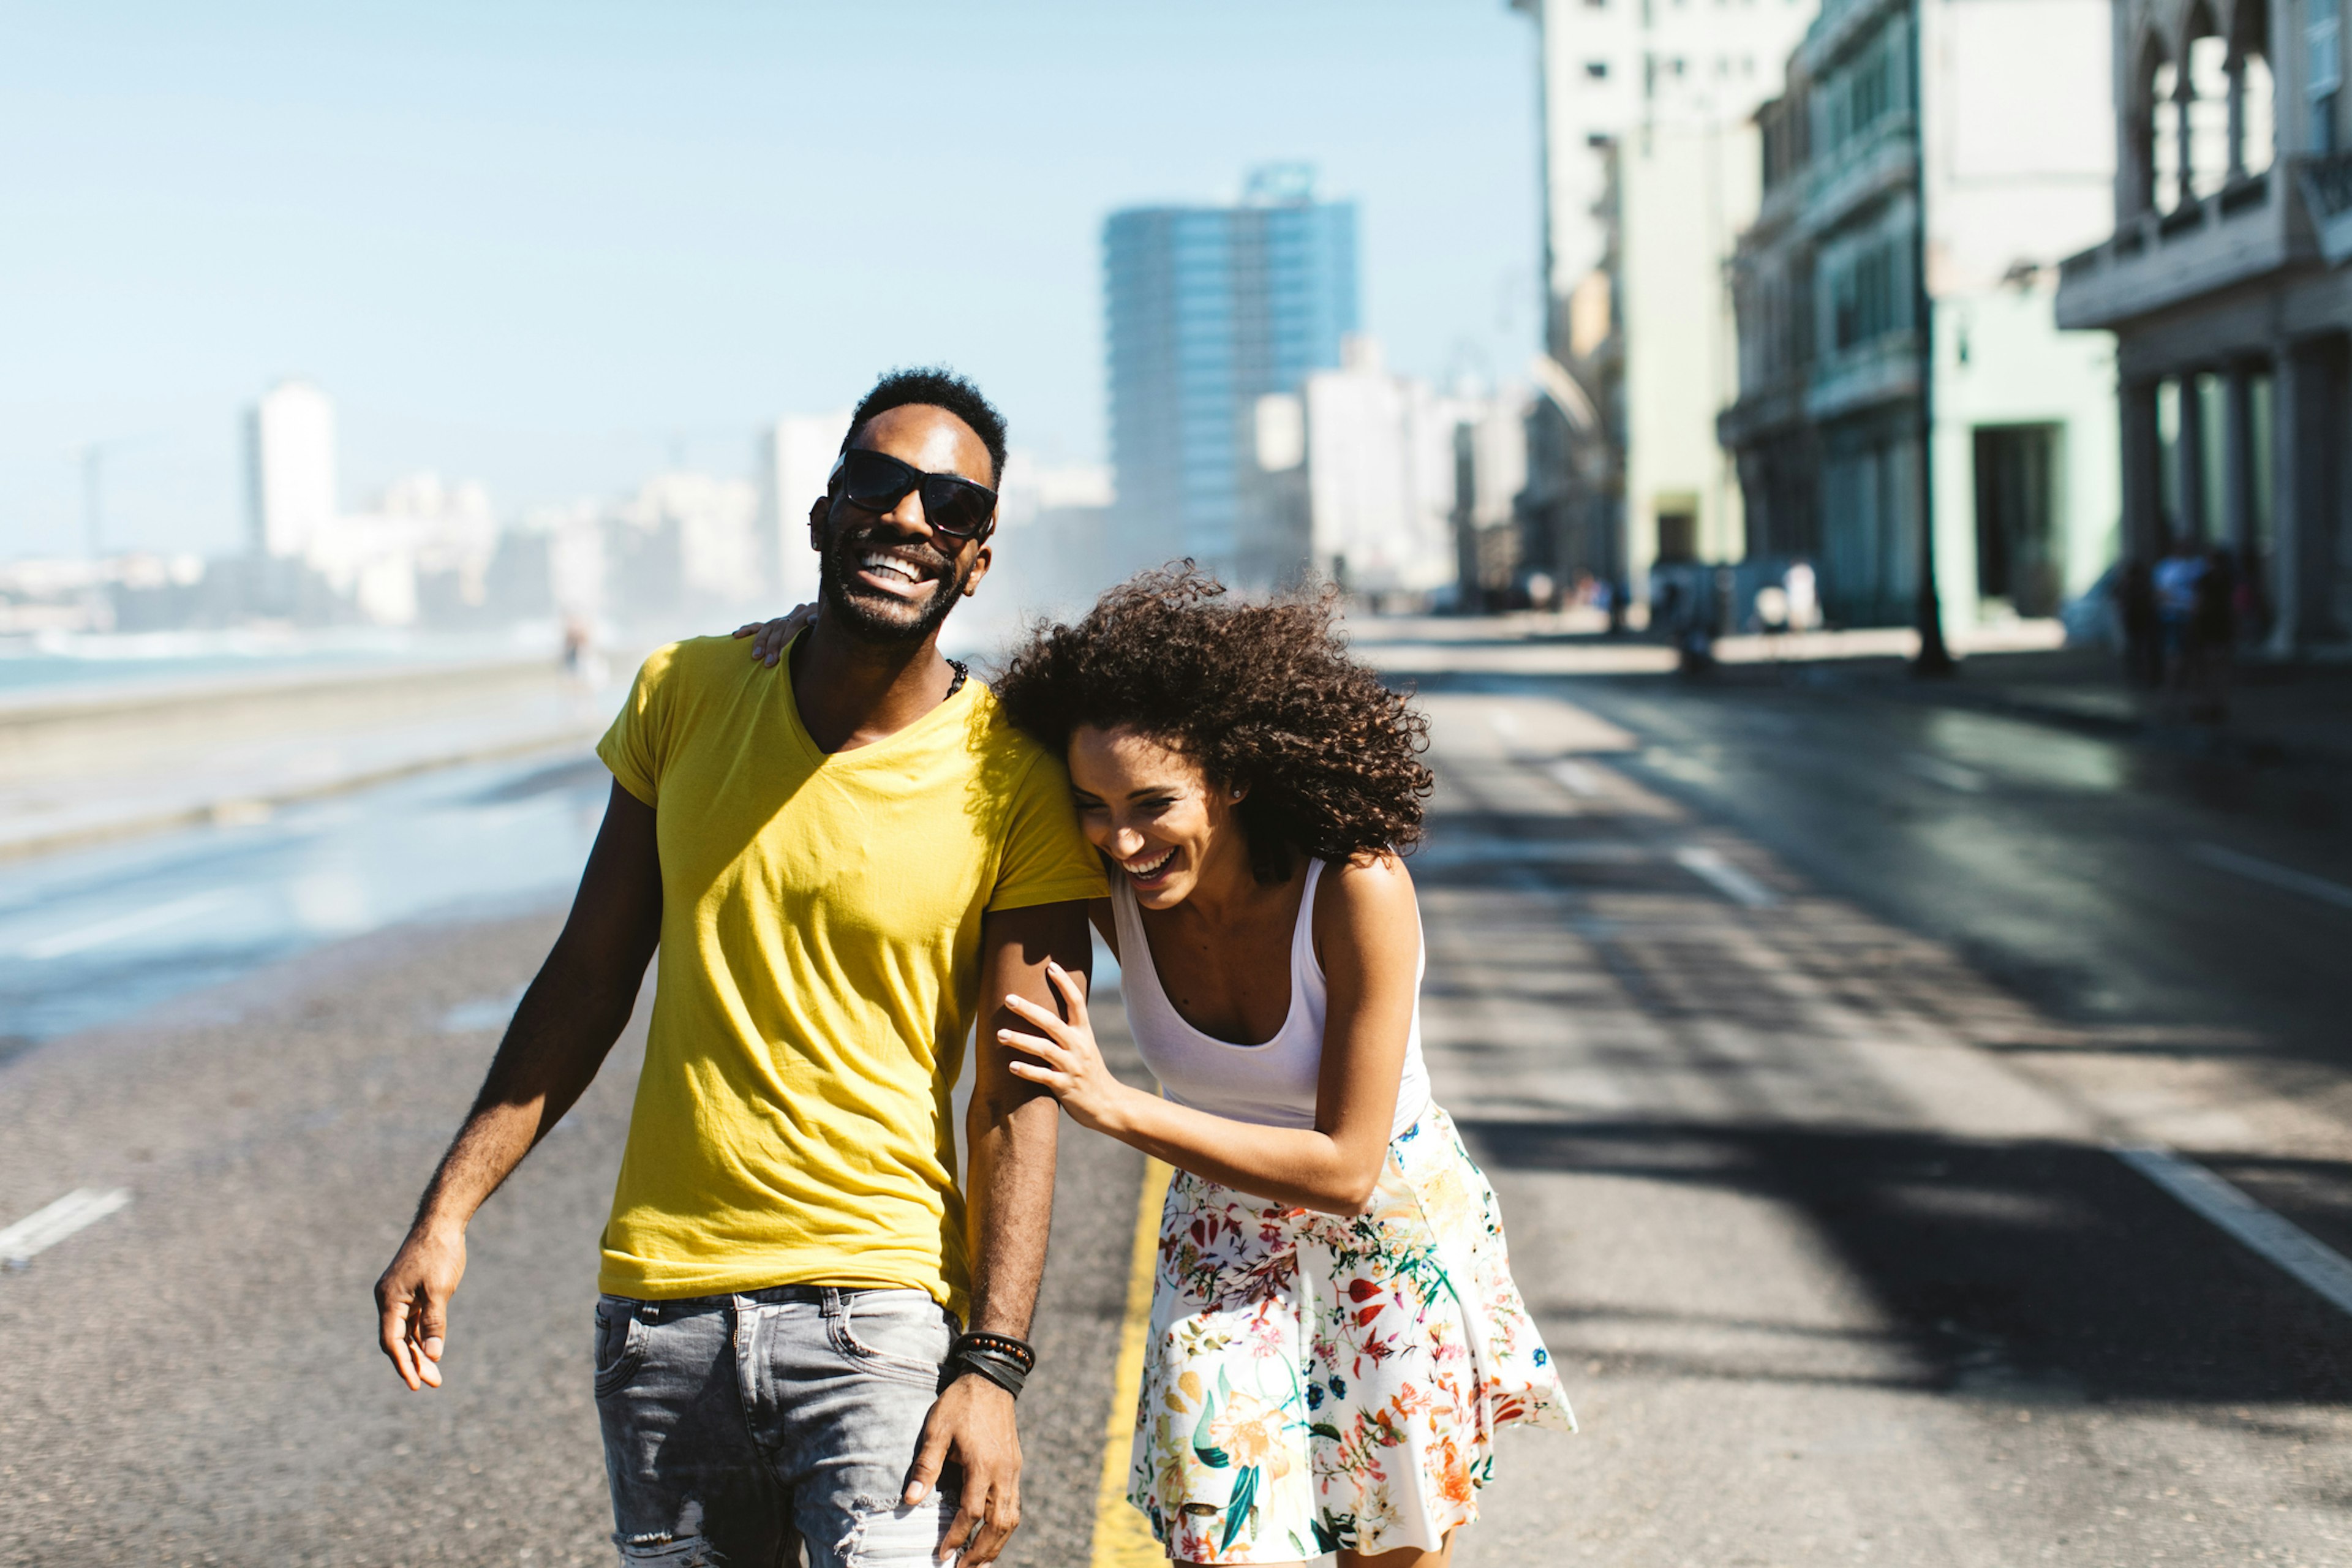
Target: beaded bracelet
1000	1358
1021	1350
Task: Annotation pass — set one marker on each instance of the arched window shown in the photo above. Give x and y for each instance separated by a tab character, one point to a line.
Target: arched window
2162	128
2253	111
2257	116
2205	109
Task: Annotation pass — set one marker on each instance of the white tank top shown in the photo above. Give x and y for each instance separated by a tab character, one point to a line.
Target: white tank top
1272	1084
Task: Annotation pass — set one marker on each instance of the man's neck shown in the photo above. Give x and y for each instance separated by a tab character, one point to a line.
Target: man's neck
852	692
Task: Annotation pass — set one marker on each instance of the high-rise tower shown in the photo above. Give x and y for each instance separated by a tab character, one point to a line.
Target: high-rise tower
1210	308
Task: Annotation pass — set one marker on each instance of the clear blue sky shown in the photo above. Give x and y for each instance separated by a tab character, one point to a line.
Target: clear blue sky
548	245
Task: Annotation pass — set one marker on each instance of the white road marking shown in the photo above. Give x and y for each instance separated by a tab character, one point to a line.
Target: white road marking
1575	778
1950	775
136	922
1726	878
44	1228
2294	881
2319	1266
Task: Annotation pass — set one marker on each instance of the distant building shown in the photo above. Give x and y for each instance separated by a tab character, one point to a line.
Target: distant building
1397	493
1827	425
1490	467
289	468
1649	175
553	565
1209	309
795	461
1380	478
2224	281
1050	550
687	544
420	552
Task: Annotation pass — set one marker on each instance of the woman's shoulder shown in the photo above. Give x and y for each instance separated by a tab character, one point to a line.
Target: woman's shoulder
1367	892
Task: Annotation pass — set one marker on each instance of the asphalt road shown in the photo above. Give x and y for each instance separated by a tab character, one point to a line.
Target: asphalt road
1793	1027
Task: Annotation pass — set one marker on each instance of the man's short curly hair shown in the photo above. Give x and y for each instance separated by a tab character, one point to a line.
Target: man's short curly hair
1261	695
940	388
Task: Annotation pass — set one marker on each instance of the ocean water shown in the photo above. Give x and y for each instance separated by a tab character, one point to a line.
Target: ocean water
42	663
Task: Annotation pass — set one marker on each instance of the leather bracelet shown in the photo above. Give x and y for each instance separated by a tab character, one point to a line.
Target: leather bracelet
1021	1350
1000	1369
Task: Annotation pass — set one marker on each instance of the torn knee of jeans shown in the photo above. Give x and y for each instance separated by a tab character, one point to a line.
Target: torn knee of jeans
884	1531
682	1546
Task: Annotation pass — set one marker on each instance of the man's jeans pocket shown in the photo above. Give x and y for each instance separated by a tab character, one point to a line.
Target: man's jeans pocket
620	1343
899	1334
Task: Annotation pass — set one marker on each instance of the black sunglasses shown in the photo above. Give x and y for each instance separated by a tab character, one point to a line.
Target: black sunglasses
876	481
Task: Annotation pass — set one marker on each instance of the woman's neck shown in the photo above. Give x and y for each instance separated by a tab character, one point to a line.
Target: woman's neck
1229	889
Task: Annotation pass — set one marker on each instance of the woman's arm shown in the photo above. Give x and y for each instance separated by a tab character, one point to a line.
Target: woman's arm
1369	931
1106	924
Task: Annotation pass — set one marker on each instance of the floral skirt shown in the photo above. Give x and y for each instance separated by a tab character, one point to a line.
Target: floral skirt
1317	1381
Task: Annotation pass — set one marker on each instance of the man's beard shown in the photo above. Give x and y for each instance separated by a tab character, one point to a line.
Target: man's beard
876	617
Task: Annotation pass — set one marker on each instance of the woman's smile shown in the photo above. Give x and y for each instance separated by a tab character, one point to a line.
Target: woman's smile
1150	873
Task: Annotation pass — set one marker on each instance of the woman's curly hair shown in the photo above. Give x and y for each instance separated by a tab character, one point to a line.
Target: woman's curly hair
1262	696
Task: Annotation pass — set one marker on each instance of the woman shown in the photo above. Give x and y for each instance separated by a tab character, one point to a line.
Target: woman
1335	1335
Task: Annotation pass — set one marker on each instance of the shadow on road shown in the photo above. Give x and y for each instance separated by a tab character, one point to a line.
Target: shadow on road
2016	1270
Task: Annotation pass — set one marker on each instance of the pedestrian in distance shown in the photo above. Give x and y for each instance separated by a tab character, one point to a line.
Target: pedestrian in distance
2213	635
838	867
2177	581
1335	1336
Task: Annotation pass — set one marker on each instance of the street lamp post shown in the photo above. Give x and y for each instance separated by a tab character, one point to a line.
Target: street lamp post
1934	660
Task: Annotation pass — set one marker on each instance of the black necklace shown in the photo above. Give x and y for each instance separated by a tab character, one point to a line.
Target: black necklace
961	671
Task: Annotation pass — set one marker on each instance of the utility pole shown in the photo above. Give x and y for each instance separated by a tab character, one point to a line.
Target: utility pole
1934	660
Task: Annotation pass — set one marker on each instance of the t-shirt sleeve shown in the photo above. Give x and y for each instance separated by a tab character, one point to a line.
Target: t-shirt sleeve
638	745
1047	860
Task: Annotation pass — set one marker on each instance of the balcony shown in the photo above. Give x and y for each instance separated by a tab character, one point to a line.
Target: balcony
2244	231
2327	185
1882	161
1866	376
1838	25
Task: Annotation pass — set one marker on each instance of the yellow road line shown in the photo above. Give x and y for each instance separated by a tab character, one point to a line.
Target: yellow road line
1122	1538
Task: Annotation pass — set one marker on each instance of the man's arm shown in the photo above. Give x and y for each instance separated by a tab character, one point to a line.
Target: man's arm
1010	1131
568	1020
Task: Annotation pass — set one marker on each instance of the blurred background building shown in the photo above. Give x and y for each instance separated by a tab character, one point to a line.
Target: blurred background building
1650	171
1826	432
2222	280
2125	219
795	461
1207	310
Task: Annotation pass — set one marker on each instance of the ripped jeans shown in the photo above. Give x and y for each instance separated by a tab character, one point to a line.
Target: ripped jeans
740	1428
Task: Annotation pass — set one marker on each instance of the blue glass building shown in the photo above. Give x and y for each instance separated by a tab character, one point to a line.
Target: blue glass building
1210	308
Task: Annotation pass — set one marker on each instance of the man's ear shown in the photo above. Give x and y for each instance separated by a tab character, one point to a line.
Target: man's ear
819	509
979	563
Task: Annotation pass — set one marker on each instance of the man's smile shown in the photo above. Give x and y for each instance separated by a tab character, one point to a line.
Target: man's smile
903	574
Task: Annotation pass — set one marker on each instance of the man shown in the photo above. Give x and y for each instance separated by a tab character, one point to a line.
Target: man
837	869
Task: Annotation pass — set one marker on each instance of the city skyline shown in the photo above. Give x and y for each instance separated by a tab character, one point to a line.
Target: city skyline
449	225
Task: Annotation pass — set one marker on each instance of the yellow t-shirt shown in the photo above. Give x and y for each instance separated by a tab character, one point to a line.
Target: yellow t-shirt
818	974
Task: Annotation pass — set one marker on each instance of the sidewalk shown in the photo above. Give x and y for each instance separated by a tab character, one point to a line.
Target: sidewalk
135	761
2278	714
